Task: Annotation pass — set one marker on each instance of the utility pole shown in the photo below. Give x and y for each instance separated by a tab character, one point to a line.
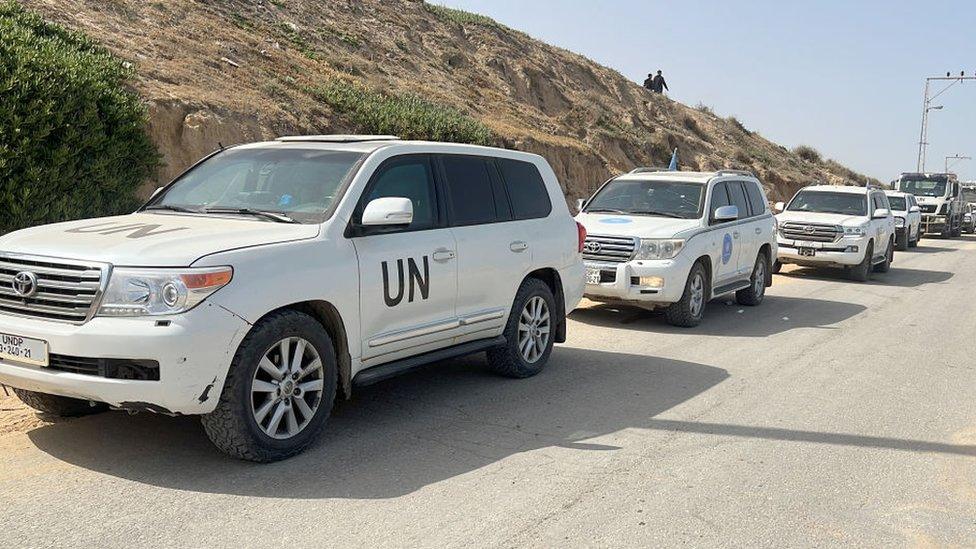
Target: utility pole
927	106
957	159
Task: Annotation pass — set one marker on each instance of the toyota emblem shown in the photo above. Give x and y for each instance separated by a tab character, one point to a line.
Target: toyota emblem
809	229
25	284
592	247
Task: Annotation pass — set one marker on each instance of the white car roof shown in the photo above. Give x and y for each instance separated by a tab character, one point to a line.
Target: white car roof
896	193
366	144
691	177
838	189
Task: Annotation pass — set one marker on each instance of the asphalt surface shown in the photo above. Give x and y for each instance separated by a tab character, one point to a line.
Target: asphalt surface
835	413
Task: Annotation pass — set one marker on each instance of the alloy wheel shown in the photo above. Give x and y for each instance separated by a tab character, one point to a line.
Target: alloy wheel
287	388
533	329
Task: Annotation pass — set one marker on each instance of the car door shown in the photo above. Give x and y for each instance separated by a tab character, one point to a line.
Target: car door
744	233
880	227
722	243
493	250
407	275
763	227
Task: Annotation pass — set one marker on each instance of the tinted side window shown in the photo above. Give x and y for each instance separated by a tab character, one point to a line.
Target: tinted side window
720	197
527	190
410	177
738	197
756	199
469	192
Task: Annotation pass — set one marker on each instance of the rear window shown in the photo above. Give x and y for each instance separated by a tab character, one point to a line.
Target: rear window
470	195
755	198
738	197
526	189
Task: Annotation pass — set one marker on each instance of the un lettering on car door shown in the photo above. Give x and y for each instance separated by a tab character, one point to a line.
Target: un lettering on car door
417	280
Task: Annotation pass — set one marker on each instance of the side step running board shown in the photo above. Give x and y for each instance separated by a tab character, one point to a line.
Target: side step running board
734	287
383	372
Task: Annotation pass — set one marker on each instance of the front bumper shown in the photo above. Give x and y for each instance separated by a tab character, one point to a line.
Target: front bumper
845	252
194	353
933	223
621	281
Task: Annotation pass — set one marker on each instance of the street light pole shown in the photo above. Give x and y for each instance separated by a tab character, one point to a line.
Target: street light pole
927	106
957	158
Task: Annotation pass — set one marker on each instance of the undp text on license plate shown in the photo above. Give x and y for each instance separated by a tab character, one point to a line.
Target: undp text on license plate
23	350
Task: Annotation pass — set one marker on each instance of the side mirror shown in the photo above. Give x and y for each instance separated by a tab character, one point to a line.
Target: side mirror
914	209
580	204
881	213
779	207
388	211
726	213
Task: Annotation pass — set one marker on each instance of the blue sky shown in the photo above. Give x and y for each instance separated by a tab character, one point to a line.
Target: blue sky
845	77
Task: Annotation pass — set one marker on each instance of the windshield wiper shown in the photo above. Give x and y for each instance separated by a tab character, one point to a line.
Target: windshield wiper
273	216
662	214
169	208
606	210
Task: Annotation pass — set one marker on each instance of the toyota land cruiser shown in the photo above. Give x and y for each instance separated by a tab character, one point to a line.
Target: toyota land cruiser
673	240
272	276
834	226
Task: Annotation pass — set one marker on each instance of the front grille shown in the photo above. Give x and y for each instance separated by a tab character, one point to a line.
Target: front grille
66	290
811	232
615	249
111	368
928	208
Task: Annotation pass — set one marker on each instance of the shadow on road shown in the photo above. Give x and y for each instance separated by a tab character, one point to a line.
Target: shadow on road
897	276
401	435
923	249
776	314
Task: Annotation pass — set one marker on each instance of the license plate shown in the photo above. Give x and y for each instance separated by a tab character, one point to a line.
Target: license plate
808	252
23	349
593	276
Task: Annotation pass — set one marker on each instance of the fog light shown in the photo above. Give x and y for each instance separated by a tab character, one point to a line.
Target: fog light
852	249
652	281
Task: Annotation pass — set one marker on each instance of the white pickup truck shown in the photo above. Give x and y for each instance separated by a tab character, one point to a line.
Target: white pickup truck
833	226
272	276
673	240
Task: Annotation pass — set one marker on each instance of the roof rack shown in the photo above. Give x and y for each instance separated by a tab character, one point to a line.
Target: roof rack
336	138
648	169
737	172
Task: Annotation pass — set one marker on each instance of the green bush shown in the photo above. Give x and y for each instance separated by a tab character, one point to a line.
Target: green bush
808	154
460	17
407	116
72	138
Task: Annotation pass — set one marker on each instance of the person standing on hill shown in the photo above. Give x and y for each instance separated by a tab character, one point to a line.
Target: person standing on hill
649	83
659	84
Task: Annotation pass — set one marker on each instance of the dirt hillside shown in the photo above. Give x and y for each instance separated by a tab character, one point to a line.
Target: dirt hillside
232	70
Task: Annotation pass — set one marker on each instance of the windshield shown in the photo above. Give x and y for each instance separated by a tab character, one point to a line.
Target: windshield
898	203
829	202
301	184
678	199
923	187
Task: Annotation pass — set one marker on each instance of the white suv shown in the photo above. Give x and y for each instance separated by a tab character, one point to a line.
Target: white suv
272	276
908	219
834	226
673	240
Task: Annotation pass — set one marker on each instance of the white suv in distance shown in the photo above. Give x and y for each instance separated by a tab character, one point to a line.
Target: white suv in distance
908	219
272	276
834	226
673	240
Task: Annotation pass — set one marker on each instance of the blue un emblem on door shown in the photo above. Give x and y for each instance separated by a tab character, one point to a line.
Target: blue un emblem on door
726	249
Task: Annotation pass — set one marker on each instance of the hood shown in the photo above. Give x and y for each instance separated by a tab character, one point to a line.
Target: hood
813	217
641	226
150	239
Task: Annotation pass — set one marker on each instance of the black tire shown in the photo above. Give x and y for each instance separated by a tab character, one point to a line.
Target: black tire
682	313
862	272
58	405
232	427
903	242
885	265
777	267
508	360
918	236
754	294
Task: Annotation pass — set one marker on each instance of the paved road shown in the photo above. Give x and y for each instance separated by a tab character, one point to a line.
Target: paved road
835	413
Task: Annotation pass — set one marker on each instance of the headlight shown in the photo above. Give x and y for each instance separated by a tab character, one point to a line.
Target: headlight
855	231
652	248
154	292
899	222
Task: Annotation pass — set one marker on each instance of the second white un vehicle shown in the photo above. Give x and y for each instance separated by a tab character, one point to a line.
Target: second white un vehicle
673	240
271	277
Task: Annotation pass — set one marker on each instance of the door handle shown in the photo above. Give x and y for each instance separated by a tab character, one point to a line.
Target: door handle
735	234
518	246
443	255
758	230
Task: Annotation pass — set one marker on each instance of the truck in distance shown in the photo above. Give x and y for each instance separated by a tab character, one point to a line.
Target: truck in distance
939	197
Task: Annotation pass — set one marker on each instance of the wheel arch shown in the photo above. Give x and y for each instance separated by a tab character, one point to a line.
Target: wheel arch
767	249
706	262
329	318
550	277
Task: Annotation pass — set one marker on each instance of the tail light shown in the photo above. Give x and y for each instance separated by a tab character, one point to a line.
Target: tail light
581	234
